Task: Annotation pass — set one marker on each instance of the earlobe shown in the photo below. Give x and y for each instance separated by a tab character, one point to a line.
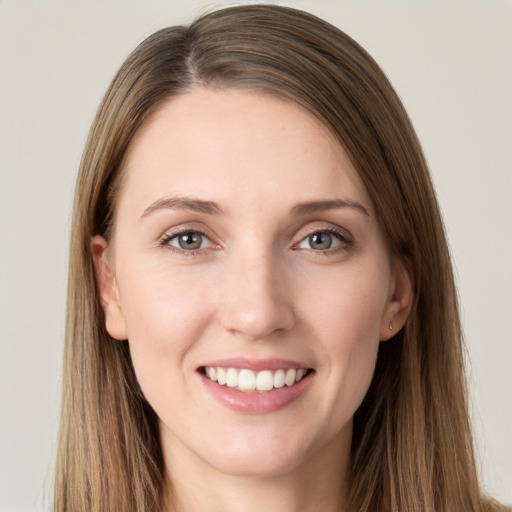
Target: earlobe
399	304
107	287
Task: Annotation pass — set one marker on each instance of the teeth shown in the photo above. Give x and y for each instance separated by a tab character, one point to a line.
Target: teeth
232	378
221	376
247	380
290	377
279	379
265	381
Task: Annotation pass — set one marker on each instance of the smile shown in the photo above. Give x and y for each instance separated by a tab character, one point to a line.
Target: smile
246	380
256	386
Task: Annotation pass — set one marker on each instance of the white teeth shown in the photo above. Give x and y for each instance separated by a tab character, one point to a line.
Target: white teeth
221	376
290	377
232	378
279	379
265	381
247	380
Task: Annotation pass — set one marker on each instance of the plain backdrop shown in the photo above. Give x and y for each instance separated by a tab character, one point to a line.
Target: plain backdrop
451	62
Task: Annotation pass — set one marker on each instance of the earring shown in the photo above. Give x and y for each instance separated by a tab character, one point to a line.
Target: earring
391	326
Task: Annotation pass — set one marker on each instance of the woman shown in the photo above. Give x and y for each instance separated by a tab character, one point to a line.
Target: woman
261	303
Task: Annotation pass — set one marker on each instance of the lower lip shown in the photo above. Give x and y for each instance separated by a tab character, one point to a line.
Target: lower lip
254	402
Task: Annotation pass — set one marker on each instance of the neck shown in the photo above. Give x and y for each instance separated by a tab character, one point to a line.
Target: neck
318	484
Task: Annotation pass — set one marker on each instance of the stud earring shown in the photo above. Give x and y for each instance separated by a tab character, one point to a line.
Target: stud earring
391	327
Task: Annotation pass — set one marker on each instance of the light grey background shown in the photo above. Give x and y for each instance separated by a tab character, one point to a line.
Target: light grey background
451	62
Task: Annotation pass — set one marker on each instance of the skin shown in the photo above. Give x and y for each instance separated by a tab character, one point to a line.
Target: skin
257	288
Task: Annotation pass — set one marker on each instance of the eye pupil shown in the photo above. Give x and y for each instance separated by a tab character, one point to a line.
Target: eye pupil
190	241
320	241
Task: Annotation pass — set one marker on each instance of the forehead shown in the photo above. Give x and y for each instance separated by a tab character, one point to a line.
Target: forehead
241	147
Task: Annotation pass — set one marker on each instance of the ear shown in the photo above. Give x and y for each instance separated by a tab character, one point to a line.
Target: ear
107	286
399	304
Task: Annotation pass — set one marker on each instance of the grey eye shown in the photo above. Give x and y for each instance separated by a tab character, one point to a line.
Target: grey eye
320	241
189	241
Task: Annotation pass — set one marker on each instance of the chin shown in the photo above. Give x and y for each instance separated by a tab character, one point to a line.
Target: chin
258	465
260	456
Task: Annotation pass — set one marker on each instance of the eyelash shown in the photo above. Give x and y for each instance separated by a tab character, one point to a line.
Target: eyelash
164	241
346	241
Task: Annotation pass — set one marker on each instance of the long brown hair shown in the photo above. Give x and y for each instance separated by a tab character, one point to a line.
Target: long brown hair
412	447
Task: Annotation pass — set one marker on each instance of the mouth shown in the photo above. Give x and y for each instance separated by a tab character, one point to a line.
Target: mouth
250	381
256	386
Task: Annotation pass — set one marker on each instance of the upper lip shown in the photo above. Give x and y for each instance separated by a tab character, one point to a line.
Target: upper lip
256	364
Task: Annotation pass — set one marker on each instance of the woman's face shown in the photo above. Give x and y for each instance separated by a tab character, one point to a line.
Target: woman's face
247	249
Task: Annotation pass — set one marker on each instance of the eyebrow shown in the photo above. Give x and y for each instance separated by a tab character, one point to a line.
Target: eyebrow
212	208
330	204
183	203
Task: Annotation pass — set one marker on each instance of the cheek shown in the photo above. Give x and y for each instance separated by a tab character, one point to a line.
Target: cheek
346	319
347	306
158	296
166	311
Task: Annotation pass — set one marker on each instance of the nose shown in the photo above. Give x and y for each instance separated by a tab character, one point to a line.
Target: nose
256	300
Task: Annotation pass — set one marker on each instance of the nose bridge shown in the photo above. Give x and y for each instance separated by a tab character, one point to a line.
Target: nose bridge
255	301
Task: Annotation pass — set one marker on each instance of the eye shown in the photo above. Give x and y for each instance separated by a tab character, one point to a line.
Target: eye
323	240
188	241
